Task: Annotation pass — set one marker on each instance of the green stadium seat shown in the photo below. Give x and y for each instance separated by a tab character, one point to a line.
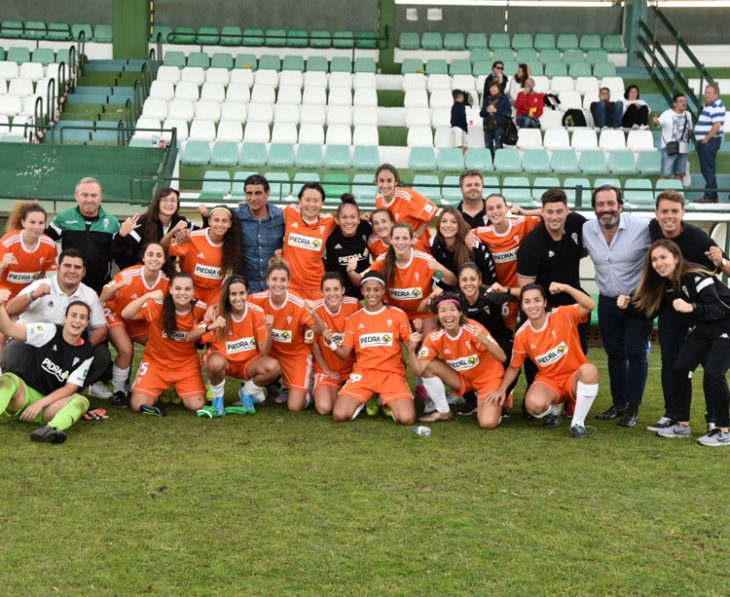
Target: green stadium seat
550	55
231	35
184	34
428	185
450	159
507	161
476	40
216	182
293	63
269	62
222	60
432	40
579	69
571	184
409	40
593	161
64	56
281	155
601	181
253	155
320	38
604	69
536	68
196	153
639	192
510	67
365	157
516	189
297	38
460	67
521	41
527	55
245	61
2	54
337	157
58	32
174	58
366	40
365	64
341	64
499	40
198	59
450	190
163	31
571	56
412	65
503	55
43	55
596	57
302	178
454	41
535	161
275	38
480	55
317	63
491	186
483	67
364	190
590	41
238	192
540	184
279	184
622	163
544	41
437	67
12	29
614	44
253	36
649	163
564	161
19	55
208	36
35	30
343	39
567	41
422	158
225	153
668	184
309	156
479	158
77	28
556	69
335	184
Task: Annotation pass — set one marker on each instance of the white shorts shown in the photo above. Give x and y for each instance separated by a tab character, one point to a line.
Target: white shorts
458	137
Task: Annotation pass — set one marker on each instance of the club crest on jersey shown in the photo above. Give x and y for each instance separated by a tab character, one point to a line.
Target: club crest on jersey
304	242
208	271
505	256
50	367
553	355
370	340
423	353
406	294
463	363
281	336
241	345
23	277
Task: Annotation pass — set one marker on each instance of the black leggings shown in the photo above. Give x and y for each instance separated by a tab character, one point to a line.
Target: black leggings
638	115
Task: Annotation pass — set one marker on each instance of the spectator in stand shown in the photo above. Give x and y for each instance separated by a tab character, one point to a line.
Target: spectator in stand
517	84
498	75
459	128
636	110
529	105
605	112
676	125
495	109
708	137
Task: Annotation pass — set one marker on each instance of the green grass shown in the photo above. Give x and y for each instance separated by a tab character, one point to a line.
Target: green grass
292	504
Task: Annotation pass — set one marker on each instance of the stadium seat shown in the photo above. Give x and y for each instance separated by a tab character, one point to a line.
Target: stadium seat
219	75
422	158
343	39
184	34
237	187
505	55
639	192
187	90
612	140
365	64
309	155
460	67
320	38
316	96
604	69
311	134
454	41
18	55
583	139
365	135
253	155
340	79
521	41
175	123
649	163
291	78
35	30
256	132
476	40
622	163
415	98
261	113
535	161
208	36
335	184
516	190
247	61
317	63
556	139
556	69
225	153
544	41
540	184
216	182
479	158
364	80
528	56
340	64
412	65
253	37
313	114
441	98
263	94
364	189
564	161
593	161
222	60
499	40
292	63
567	41
213	92
668	184
338	135
43	55
275	38
586	84
450	160
572	185
561	83
365	115
507	161
614	44
438	82
529	139
572	56
365	157
579	69
594	57
337	157
193	74
231	110
238	92
640	141
231	35
181	109
420	136
230	131
339	96
152	107
196	153
297	38
284	132
339	115
289	95
437	67
409	40
550	55
432	40
281	155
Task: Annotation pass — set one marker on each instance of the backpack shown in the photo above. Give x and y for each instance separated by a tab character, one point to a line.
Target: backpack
509	135
574	117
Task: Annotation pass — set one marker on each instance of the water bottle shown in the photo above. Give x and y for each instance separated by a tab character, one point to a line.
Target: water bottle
154	140
422	430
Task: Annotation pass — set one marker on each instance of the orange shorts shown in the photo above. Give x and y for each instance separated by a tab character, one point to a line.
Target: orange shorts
137	329
322	380
481	386
296	371
209	296
237	369
562	385
362	384
154	378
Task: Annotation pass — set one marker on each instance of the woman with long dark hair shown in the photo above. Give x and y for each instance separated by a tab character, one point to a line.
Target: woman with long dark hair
347	245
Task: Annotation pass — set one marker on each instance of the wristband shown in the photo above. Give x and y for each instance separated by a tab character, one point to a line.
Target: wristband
333	345
724	262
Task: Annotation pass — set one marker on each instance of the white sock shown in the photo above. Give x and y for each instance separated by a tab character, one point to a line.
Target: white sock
119	378
553	409
218	389
358	410
249	387
436	392
585	394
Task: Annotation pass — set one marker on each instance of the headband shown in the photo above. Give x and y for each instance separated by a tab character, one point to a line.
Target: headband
223	207
374	276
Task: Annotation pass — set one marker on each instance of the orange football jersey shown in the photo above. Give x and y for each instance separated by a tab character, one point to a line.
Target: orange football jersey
411	284
176	351
244	337
503	247
200	258
376	338
411	207
32	262
291	331
336	323
137	288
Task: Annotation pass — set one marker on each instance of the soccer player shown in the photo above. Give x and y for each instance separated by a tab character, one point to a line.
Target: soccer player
292	331
169	359
379	241
406	205
240	349
307	229
211	254
375	334
130	283
43	388
331	371
469	358
551	341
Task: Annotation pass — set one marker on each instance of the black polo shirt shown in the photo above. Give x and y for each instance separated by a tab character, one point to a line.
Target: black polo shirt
480	219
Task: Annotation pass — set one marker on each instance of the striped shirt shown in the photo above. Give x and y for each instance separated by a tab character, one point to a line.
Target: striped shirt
711	114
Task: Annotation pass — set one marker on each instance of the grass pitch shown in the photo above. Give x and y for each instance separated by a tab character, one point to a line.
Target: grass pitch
293	504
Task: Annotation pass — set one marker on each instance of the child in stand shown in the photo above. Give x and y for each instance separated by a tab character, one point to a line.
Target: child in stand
458	120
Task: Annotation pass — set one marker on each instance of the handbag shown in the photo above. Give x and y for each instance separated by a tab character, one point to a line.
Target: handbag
509	135
672	147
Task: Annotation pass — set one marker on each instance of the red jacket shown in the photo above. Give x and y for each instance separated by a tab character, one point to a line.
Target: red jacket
529	105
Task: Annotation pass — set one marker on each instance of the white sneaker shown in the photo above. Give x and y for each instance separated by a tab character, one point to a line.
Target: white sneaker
99	390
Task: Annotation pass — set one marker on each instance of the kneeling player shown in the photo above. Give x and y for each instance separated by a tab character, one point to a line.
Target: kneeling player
551	341
375	333
43	388
470	358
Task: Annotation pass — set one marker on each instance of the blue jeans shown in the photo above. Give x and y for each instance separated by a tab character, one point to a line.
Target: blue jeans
493	139
606	117
527	122
707	153
673	165
625	341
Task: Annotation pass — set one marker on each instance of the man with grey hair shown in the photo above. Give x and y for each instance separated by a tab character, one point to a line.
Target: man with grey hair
708	137
90	229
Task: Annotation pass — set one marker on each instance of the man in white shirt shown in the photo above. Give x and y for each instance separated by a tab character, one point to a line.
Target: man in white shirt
676	125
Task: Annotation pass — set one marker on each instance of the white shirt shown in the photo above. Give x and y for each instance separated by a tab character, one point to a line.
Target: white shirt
672	125
52	307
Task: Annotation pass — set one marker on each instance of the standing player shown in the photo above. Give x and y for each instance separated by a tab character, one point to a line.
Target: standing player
240	349
551	340
307	229
375	334
331	371
469	358
127	285
211	254
169	359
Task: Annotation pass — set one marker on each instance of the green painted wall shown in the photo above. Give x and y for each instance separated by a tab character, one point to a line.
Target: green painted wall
130	28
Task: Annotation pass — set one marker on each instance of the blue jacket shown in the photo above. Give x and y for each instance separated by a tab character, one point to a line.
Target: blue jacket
260	239
503	109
